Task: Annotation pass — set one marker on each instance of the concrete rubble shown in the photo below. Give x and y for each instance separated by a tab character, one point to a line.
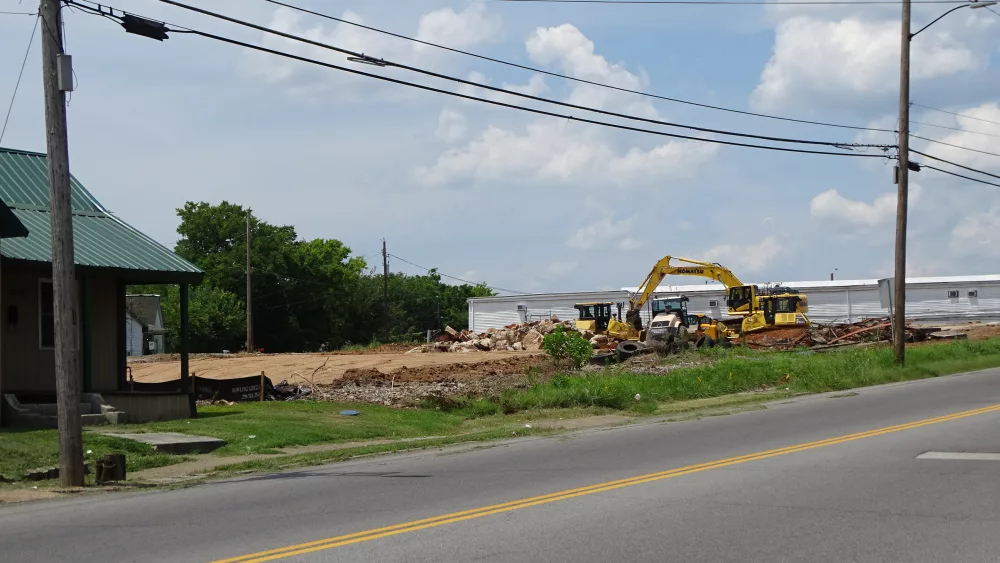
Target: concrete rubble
526	336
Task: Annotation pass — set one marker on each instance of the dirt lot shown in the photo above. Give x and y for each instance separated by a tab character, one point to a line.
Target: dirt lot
326	368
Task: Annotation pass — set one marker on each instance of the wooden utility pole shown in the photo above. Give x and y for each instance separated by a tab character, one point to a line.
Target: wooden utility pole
902	191
249	289
385	292
64	291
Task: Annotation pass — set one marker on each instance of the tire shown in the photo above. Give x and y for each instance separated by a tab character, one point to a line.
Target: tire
726	343
701	341
710	342
627	349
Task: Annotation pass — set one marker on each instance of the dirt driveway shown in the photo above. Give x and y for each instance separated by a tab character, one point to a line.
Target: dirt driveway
327	367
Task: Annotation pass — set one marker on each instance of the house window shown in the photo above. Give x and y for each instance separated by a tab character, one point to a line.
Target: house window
952	294
46	316
713	303
973	293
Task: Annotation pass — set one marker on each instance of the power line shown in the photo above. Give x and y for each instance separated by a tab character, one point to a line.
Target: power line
361	57
573	78
736	3
960	175
956	114
954	129
20	73
19	13
456	278
523	108
953	145
955	164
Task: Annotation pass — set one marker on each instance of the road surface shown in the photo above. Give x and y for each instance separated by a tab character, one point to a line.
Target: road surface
823	478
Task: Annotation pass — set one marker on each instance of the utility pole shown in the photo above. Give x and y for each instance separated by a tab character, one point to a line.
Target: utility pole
902	191
385	291
249	289
56	67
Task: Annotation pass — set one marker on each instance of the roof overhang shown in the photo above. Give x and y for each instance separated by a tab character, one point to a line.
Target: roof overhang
10	225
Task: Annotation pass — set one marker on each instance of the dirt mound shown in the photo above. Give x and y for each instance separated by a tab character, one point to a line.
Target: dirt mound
461	371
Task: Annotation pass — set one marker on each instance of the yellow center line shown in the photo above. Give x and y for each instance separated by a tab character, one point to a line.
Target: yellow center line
415	525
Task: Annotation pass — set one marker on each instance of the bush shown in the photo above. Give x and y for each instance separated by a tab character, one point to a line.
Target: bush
562	345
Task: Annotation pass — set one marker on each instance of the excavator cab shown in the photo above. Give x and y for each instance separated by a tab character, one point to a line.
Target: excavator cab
593	316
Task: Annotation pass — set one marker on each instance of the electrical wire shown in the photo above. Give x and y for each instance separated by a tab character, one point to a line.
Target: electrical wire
361	57
573	78
954	129
955	164
524	108
456	278
19	13
736	3
955	114
952	145
960	175
20	73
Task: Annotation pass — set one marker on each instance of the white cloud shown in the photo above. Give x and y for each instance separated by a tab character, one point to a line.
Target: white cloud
557	269
978	234
752	258
965	138
553	151
451	126
568	48
535	86
602	233
458	29
850	59
833	206
630	243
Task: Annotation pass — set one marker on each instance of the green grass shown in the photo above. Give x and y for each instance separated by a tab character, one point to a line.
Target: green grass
303	423
721	379
737	371
23	451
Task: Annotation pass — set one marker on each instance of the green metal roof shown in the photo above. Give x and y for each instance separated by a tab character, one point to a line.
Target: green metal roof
100	240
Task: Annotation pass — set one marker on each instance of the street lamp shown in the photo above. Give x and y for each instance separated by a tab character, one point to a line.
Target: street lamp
903	171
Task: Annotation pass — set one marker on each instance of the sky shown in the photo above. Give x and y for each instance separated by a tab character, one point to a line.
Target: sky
523	201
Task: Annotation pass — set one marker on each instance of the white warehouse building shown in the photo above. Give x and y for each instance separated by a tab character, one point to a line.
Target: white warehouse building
951	299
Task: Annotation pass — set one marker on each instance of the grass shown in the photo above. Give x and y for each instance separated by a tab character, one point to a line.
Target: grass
720	379
23	451
738	371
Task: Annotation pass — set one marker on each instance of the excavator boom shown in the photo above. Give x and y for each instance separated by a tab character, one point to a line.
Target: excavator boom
682	267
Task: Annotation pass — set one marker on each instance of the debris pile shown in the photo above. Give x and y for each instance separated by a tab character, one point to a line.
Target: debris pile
526	336
818	337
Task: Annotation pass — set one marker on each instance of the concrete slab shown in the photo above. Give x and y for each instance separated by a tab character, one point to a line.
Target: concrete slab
173	443
966	456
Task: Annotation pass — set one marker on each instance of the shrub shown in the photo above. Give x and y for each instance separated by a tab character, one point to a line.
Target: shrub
562	345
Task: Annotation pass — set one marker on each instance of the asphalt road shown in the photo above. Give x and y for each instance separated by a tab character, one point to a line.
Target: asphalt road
822	478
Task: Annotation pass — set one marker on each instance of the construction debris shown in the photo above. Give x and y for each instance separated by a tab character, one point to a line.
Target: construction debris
819	337
527	336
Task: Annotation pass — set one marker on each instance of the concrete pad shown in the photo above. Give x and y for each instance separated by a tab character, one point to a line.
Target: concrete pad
173	443
965	456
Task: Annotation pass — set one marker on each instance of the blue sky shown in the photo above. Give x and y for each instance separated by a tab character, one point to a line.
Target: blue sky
522	201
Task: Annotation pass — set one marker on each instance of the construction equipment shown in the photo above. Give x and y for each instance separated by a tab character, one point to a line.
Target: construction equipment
760	308
702	329
598	318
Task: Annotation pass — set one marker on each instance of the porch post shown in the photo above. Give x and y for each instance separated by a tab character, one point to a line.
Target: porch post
88	317
185	374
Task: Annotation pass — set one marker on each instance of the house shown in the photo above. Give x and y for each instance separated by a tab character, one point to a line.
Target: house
144	330
109	255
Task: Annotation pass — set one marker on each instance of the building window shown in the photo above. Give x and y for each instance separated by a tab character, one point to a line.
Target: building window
973	293
952	294
46	316
713	303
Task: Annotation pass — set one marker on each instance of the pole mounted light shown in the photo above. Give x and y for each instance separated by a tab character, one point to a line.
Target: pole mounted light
902	175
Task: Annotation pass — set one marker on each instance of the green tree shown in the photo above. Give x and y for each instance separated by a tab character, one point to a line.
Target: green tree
216	318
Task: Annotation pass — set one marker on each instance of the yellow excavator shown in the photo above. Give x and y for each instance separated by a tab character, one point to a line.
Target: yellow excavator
760	308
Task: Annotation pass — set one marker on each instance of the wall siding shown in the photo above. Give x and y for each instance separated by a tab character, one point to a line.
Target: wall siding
27	368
